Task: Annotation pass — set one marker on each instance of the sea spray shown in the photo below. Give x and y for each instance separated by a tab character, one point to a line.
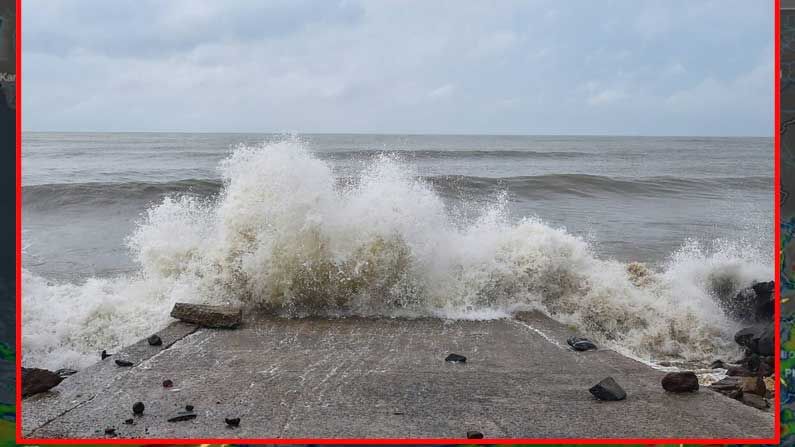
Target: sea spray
284	236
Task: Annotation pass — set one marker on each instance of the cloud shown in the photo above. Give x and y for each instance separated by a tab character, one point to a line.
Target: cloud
421	67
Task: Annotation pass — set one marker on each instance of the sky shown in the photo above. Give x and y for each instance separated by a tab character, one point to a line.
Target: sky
629	67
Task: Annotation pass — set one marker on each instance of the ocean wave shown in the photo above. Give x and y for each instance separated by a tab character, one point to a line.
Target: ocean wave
50	196
284	237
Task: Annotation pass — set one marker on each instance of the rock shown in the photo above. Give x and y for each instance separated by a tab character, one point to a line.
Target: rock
753	304
232	422
35	380
717	364
128	421
138	408
758	339
764	370
168	383
65	372
680	382
764	303
727	385
580	344
124	363
455	358
472	434
105	354
188	407
182	417
738	371
208	316
110	431
154	340
754	401
753	385
608	389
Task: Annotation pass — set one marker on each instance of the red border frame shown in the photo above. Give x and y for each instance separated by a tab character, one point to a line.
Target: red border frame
777	311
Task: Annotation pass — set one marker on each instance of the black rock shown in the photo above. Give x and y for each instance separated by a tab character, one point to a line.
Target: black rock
128	421
738	371
208	316
608	389
138	408
105	354
472	434
232	422
65	372
754	401
455	358
717	364
154	340
764	303
188	407
124	363
753	304
182	417
680	382
758	339
727	385
168	383
764	370
110	431
580	344
35	380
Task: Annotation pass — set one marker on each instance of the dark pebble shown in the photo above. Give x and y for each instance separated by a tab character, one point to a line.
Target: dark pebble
472	434
232	422
581	344
608	389
128	421
188	407
183	417
154	340
105	354
455	358
168	383
124	363
138	408
110	431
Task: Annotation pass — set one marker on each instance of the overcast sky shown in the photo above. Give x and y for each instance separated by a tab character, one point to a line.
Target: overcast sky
527	67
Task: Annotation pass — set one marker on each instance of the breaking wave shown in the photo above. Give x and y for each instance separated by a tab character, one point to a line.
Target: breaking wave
284	236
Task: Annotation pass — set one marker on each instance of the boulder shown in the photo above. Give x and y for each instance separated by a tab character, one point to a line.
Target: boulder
754	401
727	385
581	344
757	339
35	380
754	303
208	316
753	385
680	382
608	389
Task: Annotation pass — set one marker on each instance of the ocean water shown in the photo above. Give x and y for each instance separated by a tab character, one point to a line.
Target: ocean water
638	241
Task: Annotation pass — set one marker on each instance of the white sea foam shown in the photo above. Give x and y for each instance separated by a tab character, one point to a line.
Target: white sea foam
284	237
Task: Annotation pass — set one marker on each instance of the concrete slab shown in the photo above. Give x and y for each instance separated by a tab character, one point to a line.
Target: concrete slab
380	378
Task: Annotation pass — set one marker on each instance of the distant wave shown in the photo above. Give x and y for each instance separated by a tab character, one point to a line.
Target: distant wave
48	196
457	154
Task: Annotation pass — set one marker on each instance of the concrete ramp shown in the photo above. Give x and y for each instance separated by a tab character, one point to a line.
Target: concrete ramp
379	378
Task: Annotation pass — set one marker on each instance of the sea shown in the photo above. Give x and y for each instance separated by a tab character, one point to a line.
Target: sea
640	243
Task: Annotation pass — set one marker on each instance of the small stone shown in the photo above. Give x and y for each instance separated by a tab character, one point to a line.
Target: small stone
232	422
128	421
110	431
755	401
608	389
680	382
183	417
105	354
188	407
35	380
472	434
154	340
455	358
580	344
65	372
138	408
124	363
168	383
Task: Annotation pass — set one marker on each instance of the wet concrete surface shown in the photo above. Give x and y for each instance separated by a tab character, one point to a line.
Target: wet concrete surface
378	378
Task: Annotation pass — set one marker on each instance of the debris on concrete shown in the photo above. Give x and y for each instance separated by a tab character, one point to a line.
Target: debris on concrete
182	417
608	389
680	382
168	383
154	340
128	421
232	422
124	363
581	344
138	408
472	434
110	431
188	407
105	354
65	372
208	316
455	358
